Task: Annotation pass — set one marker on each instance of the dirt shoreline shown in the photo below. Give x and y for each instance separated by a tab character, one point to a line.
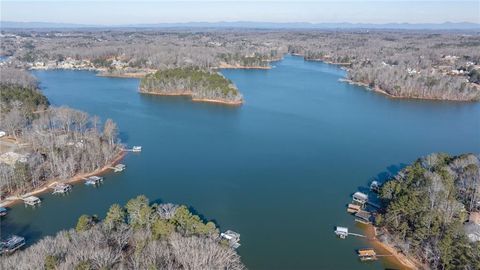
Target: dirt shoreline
11	200
383	92
189	94
395	257
138	75
230	66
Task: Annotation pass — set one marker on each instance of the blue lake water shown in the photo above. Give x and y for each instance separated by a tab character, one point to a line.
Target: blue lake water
279	169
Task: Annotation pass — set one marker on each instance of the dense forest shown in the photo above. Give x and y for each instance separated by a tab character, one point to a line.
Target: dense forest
137	236
200	84
427	206
415	64
47	142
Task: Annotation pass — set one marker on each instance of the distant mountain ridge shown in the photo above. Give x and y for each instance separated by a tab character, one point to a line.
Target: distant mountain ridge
252	25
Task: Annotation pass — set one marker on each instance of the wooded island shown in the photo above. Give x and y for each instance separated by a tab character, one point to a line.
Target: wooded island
201	85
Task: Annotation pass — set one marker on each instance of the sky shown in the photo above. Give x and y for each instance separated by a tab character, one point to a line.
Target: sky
121	12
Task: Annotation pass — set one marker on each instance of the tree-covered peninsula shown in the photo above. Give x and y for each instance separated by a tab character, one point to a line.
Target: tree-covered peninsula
201	85
137	236
432	211
41	142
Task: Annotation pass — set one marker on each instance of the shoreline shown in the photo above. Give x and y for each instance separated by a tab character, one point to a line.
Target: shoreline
189	94
377	89
14	199
230	66
397	258
139	75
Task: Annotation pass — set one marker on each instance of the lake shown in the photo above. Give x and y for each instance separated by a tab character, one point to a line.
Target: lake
279	170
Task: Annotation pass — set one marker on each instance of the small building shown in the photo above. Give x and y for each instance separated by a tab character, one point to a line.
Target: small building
61	188
367	254
232	237
360	197
31	200
11	244
341	232
2	133
3	211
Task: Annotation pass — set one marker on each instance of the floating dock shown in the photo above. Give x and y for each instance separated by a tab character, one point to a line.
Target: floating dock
136	148
11	244
118	168
343	232
31	201
61	188
232	237
375	186
353	208
367	254
93	180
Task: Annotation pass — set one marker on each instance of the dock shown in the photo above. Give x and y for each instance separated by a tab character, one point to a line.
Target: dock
61	188
353	208
12	244
118	168
360	198
134	149
232	237
375	186
343	232
31	201
364	217
93	180
367	254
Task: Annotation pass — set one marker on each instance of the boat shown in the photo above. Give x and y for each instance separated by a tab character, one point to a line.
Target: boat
31	200
93	180
11	244
137	149
3	211
61	188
